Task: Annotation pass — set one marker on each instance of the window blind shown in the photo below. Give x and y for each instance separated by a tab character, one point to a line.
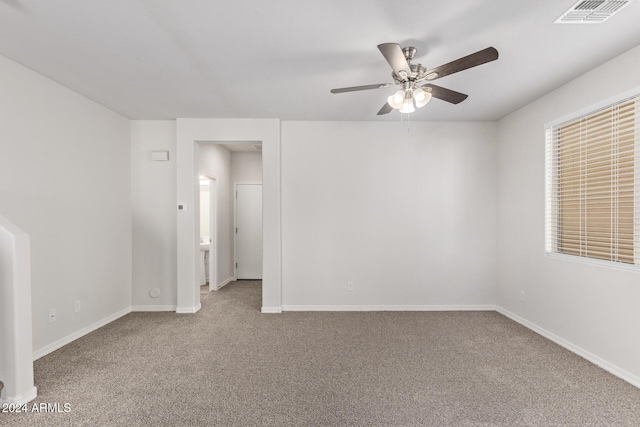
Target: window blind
593	184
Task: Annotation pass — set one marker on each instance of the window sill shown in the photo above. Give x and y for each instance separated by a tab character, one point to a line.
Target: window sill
596	262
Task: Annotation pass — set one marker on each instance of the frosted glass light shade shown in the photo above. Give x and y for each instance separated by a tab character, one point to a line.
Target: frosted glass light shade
422	97
396	99
407	105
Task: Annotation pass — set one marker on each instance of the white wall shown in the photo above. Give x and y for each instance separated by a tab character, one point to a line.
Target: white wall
65	180
153	197
409	217
215	161
246	166
593	308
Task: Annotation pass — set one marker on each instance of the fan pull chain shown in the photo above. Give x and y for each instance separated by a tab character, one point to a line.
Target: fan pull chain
408	120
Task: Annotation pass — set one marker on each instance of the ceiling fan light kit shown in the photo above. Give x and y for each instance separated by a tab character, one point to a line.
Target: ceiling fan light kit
408	75
406	101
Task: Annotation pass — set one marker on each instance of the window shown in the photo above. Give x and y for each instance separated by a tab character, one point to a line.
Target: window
593	184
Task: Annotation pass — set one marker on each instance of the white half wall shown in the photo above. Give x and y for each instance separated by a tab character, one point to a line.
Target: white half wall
215	160
153	198
593	309
16	345
65	180
409	217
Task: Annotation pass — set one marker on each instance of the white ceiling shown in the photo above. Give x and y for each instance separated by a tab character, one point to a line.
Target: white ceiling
163	59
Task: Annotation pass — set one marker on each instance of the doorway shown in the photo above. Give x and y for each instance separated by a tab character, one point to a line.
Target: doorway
192	134
222	165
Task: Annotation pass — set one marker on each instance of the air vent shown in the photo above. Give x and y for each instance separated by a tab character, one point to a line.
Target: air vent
592	11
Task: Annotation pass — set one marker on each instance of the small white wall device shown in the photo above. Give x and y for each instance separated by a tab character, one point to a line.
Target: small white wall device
160	156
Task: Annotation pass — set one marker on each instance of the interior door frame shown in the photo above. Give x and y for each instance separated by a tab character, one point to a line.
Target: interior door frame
235	223
190	133
213	229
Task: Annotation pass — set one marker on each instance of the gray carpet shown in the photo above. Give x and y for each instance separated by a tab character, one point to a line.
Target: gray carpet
231	365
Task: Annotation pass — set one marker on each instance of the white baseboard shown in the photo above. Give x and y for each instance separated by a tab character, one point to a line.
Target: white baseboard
226	282
388	308
438	308
21	399
37	354
144	308
273	310
615	370
189	310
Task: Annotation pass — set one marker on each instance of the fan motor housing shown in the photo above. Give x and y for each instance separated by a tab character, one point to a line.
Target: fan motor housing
417	70
417	73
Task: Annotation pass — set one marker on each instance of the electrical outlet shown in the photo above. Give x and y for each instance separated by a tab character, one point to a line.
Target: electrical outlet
350	286
76	307
523	296
52	315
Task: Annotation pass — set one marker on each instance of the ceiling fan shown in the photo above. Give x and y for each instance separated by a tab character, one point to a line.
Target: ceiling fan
408	75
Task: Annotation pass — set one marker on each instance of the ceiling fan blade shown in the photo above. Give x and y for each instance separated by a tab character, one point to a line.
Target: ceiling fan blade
445	94
481	57
386	109
356	88
392	52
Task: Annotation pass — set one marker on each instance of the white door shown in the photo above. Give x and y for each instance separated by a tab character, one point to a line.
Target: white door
248	231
